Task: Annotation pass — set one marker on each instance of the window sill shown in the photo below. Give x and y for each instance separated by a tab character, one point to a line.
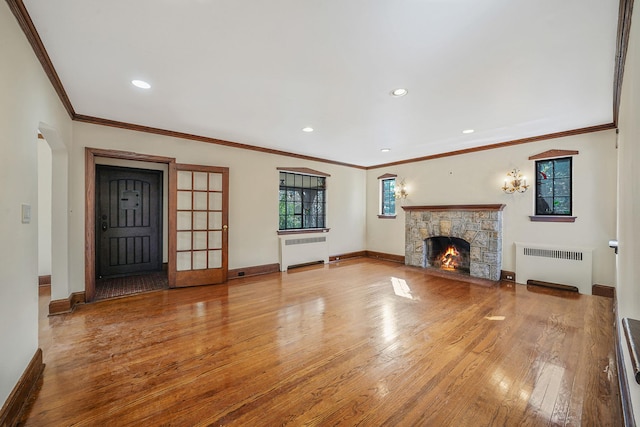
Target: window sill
552	218
303	231
387	216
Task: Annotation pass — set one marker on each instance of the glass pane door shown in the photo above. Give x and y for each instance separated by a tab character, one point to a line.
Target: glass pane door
200	226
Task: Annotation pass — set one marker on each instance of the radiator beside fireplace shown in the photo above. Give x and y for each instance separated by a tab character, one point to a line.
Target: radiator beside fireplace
296	250
555	264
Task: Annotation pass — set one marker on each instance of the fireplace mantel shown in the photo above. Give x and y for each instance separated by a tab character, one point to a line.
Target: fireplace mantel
455	208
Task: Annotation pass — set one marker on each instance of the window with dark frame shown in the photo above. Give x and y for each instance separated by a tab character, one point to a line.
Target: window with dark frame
388	196
302	201
554	187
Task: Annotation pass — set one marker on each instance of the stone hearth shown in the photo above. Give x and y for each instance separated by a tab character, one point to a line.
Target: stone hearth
480	225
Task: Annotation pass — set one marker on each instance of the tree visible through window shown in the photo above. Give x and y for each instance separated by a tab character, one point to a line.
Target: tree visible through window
553	187
302	201
388	196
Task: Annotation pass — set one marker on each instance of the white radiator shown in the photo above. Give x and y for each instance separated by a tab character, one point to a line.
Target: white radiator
295	250
564	265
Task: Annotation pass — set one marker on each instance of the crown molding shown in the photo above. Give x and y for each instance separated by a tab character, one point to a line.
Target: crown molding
26	24
165	132
24	20
545	137
622	43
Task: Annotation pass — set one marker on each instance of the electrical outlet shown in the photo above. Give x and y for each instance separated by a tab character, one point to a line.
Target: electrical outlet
508	276
240	273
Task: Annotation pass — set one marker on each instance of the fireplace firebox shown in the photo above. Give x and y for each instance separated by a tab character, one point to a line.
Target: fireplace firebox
447	253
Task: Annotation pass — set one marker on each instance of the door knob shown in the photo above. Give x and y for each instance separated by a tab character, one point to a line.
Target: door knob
224	227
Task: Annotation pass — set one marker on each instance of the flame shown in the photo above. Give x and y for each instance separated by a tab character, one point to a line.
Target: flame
450	258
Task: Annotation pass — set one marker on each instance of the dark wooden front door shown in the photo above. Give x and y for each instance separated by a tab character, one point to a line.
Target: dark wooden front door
128	221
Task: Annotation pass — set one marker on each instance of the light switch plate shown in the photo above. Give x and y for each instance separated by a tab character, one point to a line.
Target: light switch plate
26	213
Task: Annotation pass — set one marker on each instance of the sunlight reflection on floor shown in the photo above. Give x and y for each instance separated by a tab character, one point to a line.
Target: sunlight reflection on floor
401	288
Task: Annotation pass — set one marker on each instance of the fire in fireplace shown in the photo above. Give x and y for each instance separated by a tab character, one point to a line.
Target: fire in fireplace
449	261
447	253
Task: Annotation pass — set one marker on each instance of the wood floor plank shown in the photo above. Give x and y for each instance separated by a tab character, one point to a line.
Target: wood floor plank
359	342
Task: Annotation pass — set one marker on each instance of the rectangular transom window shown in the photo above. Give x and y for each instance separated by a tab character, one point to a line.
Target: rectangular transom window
553	186
302	201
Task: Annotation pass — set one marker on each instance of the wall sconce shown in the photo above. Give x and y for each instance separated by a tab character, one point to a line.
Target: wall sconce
401	190
515	181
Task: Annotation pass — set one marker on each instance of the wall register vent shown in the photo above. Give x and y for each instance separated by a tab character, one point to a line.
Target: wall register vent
564	265
290	242
295	250
553	253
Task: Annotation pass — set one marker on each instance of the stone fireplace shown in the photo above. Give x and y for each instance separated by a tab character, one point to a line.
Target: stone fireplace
474	231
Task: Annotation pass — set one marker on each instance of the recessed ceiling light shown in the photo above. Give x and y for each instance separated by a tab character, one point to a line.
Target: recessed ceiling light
307	129
385	150
399	92
141	84
468	131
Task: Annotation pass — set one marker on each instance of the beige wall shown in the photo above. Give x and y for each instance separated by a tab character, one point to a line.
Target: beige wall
253	193
44	208
27	100
476	178
628	287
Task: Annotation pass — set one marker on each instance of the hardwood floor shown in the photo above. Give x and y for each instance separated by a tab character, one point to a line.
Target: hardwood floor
362	342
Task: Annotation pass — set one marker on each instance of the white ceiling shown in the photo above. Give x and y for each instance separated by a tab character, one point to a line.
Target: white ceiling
256	72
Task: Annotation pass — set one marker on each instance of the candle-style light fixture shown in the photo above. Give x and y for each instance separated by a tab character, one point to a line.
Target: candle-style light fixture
515	181
401	190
